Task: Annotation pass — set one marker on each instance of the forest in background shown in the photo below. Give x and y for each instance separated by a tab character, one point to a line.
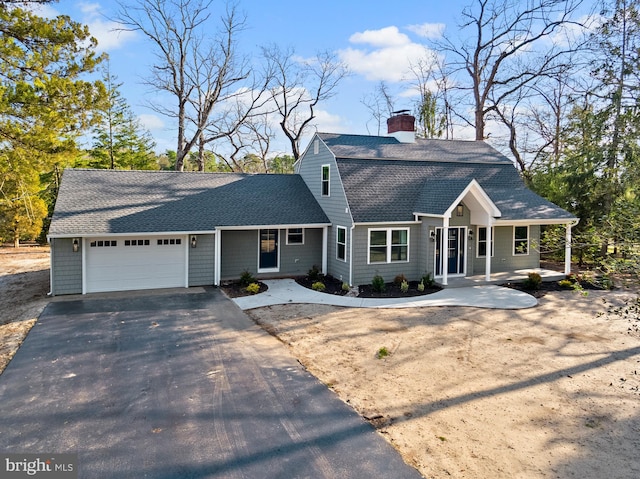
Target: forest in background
554	84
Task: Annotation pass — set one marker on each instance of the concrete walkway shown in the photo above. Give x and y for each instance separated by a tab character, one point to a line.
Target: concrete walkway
287	291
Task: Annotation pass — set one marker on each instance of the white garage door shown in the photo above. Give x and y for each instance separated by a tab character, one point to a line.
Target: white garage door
121	264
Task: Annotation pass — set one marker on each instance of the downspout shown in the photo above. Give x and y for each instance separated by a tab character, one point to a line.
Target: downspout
217	242
187	245
353	227
51	250
325	245
84	265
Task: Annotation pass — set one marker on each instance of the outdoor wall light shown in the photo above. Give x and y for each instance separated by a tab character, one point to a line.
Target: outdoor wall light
470	234
194	241
76	245
460	210
432	235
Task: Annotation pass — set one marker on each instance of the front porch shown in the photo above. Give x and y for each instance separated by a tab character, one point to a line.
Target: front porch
499	278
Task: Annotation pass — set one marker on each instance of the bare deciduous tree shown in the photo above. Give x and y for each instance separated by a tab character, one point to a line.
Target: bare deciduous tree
380	105
298	87
199	74
499	54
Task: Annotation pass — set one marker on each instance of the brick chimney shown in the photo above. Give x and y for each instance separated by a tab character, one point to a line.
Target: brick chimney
402	126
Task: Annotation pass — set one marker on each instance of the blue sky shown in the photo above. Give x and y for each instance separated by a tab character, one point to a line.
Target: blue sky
377	39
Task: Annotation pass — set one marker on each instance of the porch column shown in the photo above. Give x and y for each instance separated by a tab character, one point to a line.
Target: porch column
487	264
567	250
444	252
325	236
217	247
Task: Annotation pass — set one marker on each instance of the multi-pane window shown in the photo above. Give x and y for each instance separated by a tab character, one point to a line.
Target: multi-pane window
137	242
295	236
520	240
341	243
482	242
169	241
325	180
388	245
102	243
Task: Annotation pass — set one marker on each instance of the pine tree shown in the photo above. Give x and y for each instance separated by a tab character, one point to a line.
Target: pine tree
119	140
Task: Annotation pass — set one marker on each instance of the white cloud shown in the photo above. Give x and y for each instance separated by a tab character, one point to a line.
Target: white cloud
151	122
326	121
388	64
385	37
107	32
431	31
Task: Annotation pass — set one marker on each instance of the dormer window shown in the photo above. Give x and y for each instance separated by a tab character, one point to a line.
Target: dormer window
325	180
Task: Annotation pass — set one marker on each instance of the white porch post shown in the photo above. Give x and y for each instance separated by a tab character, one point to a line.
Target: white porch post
444	252
567	250
325	237
217	255
487	264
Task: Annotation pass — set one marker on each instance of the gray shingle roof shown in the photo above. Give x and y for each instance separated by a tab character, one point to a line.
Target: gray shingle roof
392	190
381	147
119	201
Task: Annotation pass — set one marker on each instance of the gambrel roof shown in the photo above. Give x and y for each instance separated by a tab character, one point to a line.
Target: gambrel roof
386	181
122	201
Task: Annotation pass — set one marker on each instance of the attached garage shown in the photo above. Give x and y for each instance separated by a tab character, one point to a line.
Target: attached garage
121	230
136	262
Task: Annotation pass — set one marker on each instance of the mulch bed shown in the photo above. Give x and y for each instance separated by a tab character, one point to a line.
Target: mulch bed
236	290
392	290
331	284
551	286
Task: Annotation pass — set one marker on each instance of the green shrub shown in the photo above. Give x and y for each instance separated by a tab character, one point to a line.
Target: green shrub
383	352
318	286
533	281
404	286
345	286
399	279
377	283
314	274
566	283
253	288
421	286
428	280
246	278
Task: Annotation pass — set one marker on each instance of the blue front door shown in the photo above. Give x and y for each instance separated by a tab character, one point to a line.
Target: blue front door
451	251
268	249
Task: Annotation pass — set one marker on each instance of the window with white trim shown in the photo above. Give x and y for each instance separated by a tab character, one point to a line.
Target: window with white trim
520	240
295	235
389	245
481	247
341	243
325	180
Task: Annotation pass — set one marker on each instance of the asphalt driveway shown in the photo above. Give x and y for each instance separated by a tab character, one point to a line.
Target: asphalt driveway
178	386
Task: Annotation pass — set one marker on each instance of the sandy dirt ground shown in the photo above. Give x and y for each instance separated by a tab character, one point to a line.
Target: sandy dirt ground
24	284
548	392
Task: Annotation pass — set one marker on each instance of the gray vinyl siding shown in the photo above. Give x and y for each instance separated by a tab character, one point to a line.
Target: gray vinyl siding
335	205
427	246
239	253
202	261
298	259
503	259
66	267
363	273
